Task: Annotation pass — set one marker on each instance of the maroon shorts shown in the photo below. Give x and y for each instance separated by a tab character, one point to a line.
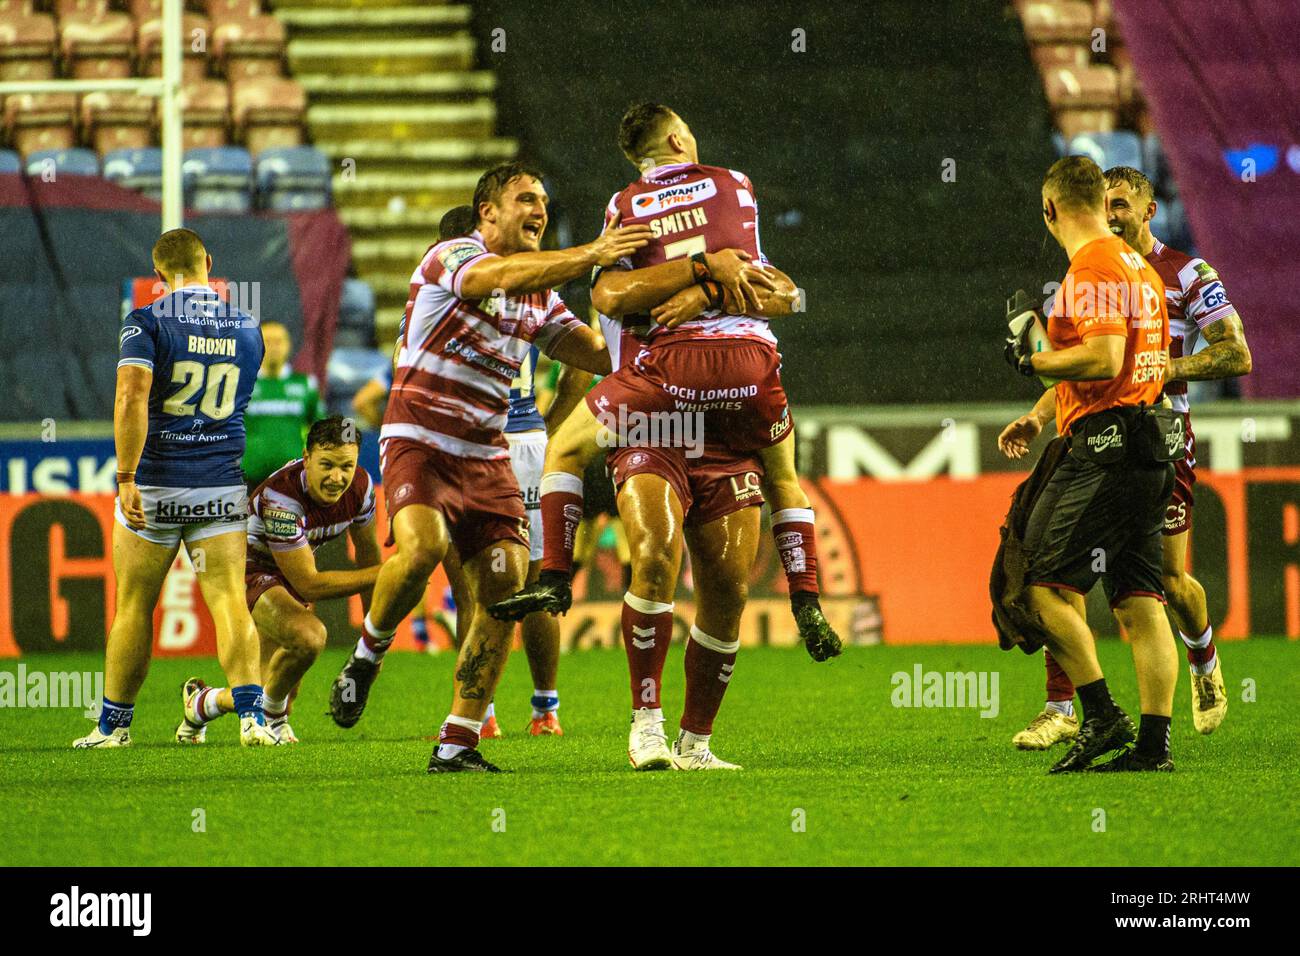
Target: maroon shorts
709	487
257	581
1178	514
732	387
479	499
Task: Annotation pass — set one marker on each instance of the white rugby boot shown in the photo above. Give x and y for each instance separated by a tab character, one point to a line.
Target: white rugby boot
284	734
647	746
120	737
193	727
691	752
253	734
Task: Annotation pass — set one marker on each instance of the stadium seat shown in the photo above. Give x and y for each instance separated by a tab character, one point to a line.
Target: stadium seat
97	45
1130	89
347	371
36	121
112	121
63	162
142	10
1058	142
218	180
65	8
1156	167
27	44
138	169
194	62
1083	99
1066	21
267	112
245	46
296	177
206	104
1048	55
1119	148
10	162
356	326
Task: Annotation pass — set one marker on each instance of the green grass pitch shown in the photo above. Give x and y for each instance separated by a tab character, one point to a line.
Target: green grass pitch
834	774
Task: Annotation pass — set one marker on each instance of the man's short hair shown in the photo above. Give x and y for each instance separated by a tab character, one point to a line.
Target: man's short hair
496	179
456	223
332	432
641	123
179	251
1076	182
1136	181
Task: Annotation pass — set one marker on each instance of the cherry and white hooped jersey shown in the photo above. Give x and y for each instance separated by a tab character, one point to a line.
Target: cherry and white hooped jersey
693	208
458	358
1195	297
283	516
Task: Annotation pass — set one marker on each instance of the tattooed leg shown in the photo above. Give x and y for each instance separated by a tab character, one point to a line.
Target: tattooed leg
494	573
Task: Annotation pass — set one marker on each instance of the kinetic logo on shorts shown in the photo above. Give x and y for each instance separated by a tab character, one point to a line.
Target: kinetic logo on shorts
673	197
175	512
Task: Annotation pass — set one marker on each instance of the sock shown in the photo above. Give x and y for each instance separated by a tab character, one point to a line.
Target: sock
1095	699
491	711
1062	707
420	628
647	632
275	708
248	701
1059	687
113	715
457	734
1153	735
1200	651
691	741
795	535
545	702
208	707
709	663
373	642
561	514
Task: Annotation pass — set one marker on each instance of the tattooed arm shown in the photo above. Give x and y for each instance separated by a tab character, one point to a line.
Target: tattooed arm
1226	356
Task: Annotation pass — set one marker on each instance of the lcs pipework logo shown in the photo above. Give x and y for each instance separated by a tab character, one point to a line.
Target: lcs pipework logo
77	909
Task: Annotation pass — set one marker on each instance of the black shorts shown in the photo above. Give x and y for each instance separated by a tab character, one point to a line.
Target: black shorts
1100	521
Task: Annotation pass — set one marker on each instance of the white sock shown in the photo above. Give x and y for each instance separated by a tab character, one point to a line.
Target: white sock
1197	643
691	741
275	708
210	710
655	714
1063	707
364	652
537	714
447	751
491	711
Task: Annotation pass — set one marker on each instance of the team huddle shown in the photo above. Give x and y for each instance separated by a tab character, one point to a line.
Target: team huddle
476	479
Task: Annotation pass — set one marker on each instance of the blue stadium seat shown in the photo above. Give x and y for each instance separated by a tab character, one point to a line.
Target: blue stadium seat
67	162
293	178
1170	226
218	179
1058	141
1120	148
347	371
138	169
357	307
10	162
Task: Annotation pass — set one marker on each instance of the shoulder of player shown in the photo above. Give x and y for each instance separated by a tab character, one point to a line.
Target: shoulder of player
451	254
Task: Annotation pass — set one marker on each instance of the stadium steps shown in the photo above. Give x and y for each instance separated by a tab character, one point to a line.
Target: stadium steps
392	86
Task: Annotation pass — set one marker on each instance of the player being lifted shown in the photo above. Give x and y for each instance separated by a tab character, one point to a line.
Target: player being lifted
1198	308
478	304
184	378
300	508
713	353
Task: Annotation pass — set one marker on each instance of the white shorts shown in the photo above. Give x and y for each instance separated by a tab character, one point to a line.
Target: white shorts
173	515
527	457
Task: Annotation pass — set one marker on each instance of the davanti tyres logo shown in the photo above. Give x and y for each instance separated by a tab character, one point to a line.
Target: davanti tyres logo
673	197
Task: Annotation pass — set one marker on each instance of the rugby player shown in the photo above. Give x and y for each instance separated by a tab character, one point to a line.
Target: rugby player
186	371
1102	511
300	508
478	304
1198	307
712	352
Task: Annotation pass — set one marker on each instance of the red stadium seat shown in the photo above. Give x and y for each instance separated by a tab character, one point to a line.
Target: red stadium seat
27	43
1069	21
194	62
143	10
206	105
10	9
1049	55
116	121
220	10
245	47
35	121
97	46
267	111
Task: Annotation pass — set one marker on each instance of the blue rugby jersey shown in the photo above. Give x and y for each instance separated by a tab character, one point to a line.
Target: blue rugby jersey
204	355
523	415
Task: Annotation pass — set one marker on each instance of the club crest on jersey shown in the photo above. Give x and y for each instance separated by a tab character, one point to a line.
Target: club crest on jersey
673	197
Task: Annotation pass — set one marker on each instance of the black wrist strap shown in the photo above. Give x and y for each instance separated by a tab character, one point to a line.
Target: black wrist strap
700	268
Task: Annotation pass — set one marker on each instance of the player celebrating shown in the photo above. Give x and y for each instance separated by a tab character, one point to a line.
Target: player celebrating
722	364
183	381
299	509
1110	337
1198	306
478	303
